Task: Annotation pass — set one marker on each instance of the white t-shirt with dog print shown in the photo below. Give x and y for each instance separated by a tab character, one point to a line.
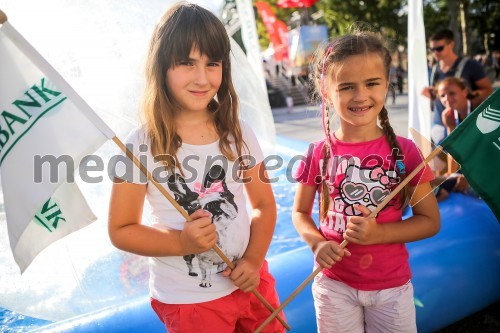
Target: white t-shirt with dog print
209	181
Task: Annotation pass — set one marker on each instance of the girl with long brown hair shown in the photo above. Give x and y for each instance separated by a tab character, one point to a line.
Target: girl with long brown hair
207	159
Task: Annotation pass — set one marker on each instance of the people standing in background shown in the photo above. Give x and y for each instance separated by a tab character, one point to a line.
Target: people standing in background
496	63
400	74
393	82
289	104
450	64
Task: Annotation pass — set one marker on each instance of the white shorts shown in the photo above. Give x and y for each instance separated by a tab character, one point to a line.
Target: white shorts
340	308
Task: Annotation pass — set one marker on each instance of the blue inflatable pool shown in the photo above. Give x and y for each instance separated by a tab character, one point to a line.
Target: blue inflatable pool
455	273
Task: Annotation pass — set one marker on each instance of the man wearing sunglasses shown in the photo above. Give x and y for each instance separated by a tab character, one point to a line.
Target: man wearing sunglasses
448	63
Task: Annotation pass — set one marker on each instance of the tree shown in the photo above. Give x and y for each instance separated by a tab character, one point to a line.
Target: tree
475	22
484	18
281	13
385	16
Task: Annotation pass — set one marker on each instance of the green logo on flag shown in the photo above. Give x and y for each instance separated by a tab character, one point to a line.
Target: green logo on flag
49	216
488	120
475	145
14	124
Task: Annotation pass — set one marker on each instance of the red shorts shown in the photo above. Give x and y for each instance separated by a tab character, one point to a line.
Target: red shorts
236	312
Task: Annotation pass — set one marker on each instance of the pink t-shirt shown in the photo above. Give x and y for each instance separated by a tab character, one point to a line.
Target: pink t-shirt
363	173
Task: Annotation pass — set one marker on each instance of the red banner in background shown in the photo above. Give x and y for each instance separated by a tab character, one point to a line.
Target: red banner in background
295	3
282	29
269	19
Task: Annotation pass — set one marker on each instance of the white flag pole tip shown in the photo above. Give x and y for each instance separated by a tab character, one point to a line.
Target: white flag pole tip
3	17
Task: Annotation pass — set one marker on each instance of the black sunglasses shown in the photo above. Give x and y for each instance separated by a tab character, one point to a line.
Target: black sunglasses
437	48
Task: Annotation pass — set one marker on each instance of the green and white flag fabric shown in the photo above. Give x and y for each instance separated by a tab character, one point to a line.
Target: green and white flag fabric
41	115
475	145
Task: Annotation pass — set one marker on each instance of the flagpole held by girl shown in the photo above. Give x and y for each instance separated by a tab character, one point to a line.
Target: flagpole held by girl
367	286
211	163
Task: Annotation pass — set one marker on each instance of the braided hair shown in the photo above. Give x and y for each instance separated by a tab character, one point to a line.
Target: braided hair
333	54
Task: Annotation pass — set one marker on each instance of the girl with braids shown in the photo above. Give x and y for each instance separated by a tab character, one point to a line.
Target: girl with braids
193	139
365	287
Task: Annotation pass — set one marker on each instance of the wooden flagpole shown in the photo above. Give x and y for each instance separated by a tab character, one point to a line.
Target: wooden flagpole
344	243
3	17
188	218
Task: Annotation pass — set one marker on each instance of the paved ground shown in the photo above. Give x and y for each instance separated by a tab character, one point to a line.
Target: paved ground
304	124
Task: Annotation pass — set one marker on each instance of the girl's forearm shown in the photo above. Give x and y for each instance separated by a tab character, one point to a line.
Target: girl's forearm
307	229
412	229
261	234
147	241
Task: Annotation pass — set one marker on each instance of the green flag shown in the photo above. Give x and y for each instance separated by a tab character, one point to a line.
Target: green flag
475	144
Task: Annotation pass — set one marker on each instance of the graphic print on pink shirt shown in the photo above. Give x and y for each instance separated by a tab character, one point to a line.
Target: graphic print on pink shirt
363	185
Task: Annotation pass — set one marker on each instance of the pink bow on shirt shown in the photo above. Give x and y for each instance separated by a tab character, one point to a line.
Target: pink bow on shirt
379	174
214	188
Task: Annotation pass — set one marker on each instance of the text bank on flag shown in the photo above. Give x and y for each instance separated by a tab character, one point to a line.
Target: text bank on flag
40	115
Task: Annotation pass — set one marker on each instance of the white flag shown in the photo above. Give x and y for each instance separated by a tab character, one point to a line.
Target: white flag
250	38
41	115
419	116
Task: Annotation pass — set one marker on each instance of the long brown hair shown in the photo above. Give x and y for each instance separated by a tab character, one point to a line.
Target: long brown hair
184	27
333	54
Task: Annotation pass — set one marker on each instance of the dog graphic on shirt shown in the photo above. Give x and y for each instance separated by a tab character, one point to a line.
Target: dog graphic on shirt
213	196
